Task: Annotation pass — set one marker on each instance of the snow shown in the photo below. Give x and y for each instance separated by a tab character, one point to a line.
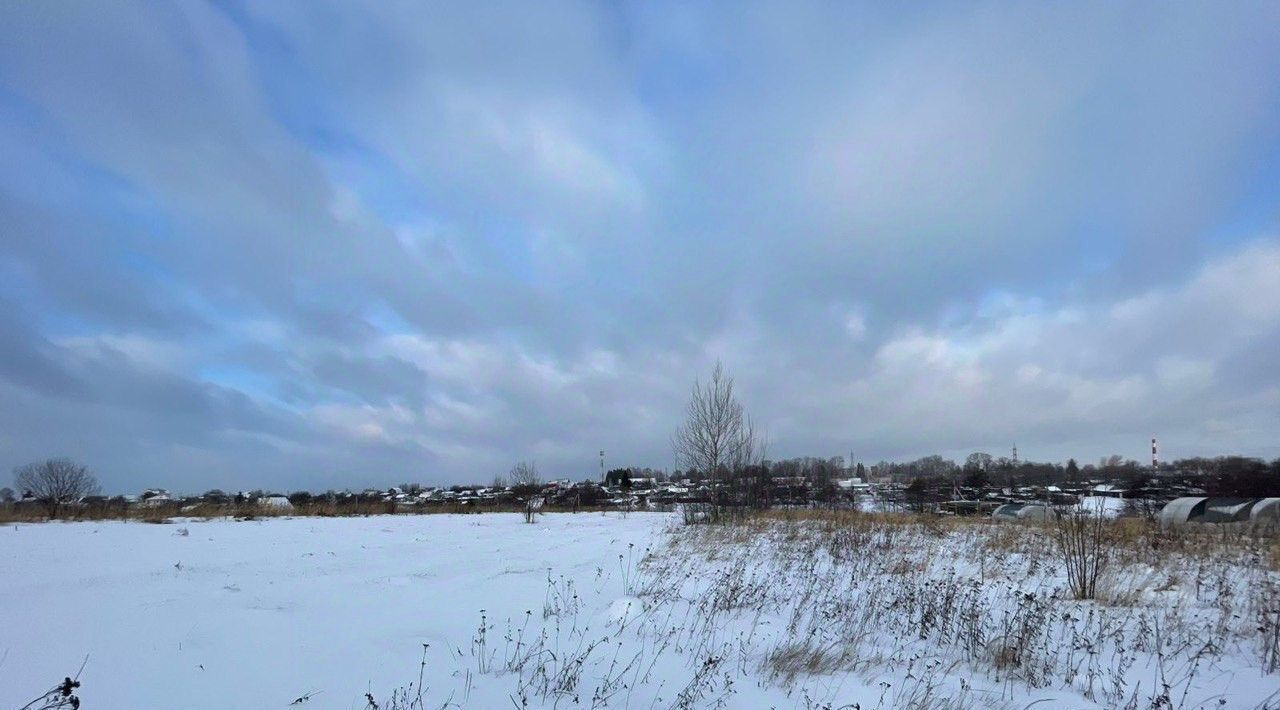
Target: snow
625	610
1106	506
218	614
258	613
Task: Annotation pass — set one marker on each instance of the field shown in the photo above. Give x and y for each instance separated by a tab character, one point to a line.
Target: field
802	610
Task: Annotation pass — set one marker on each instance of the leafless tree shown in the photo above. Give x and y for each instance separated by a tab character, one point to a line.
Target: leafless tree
1084	544
524	473
979	461
717	437
532	507
55	482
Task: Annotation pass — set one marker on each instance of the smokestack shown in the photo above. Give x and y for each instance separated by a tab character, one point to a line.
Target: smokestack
1155	461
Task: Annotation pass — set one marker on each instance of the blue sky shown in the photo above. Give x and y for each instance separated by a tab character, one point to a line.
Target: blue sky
306	245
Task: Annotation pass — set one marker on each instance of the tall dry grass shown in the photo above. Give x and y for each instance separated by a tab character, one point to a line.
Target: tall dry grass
896	612
866	593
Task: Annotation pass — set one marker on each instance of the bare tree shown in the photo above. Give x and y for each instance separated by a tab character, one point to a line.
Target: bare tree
717	437
979	461
532	507
524	473
55	482
1084	544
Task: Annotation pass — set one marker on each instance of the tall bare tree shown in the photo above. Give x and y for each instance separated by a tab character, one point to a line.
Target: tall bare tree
524	473
55	482
717	438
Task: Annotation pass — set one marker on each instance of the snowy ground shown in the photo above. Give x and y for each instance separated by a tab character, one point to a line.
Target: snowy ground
256	614
769	614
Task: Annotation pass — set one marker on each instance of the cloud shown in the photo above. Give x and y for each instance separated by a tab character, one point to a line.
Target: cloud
326	245
1080	375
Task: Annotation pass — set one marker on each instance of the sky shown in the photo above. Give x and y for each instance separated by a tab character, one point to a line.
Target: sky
312	245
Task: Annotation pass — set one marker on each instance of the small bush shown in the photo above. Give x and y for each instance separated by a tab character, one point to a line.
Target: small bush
1085	548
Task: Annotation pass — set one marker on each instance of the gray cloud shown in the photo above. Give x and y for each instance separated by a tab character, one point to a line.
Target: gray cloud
314	245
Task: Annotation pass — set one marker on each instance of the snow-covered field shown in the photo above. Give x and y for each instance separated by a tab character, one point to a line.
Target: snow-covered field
900	612
257	614
774	613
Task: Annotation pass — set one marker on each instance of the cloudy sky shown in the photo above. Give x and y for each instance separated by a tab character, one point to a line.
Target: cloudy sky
313	245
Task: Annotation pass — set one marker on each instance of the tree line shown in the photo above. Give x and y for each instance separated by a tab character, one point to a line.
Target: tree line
719	443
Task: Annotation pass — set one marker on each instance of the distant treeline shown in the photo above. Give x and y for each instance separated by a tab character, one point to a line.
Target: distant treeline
1226	476
1219	476
1236	476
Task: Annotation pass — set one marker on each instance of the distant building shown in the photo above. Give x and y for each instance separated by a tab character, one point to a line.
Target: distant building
275	503
1200	510
155	497
1108	490
1010	512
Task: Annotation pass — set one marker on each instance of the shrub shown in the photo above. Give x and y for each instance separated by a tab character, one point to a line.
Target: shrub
1083	544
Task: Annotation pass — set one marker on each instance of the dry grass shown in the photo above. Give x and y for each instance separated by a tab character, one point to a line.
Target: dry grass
788	662
868	593
898	612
